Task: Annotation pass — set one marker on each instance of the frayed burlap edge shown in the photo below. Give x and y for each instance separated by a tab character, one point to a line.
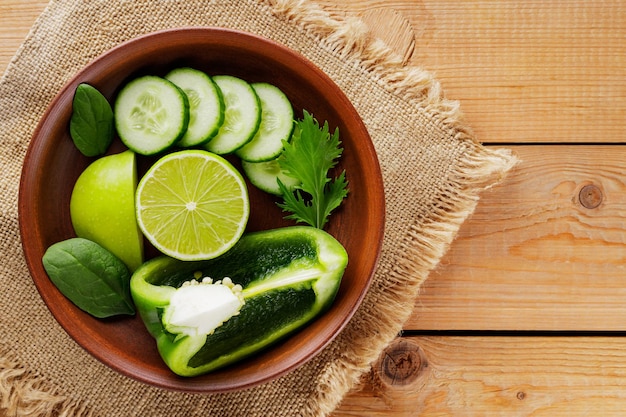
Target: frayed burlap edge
23	392
428	239
423	246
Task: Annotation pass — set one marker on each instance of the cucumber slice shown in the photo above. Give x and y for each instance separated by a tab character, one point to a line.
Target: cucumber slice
264	175
206	105
151	114
242	115
276	125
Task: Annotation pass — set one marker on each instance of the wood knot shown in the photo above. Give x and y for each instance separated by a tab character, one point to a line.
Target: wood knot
400	363
590	196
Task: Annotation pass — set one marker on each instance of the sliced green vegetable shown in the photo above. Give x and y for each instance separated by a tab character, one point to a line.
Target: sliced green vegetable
242	115
91	277
285	277
308	158
276	125
206	105
91	123
151	114
265	175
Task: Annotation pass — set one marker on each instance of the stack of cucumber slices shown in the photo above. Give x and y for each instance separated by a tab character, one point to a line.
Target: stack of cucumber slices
222	114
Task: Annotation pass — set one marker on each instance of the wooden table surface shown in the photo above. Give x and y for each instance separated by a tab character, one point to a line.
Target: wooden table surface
526	314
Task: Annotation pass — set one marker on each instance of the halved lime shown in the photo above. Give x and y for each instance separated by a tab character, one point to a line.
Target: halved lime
192	205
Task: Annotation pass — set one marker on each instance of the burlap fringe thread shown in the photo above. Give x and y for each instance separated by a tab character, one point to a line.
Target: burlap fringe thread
424	246
24	393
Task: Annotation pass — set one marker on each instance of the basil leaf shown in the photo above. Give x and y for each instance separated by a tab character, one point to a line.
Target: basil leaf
91	124
90	276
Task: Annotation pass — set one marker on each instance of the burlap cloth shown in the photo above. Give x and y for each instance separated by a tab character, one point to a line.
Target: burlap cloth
433	172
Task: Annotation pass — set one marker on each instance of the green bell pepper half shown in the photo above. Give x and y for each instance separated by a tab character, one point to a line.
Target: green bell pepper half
289	276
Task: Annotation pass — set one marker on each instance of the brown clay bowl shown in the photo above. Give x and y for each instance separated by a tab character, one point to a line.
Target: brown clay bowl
53	164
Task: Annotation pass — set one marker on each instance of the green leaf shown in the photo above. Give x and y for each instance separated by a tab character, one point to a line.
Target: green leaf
336	191
90	276
310	155
91	124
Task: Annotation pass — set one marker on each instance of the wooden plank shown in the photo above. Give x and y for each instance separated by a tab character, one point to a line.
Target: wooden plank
531	71
496	376
533	257
16	19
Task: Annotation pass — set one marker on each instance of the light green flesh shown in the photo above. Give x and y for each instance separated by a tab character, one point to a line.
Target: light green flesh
283	279
264	175
276	125
242	115
151	114
206	105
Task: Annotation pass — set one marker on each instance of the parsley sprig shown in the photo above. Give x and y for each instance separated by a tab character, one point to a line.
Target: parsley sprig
308	157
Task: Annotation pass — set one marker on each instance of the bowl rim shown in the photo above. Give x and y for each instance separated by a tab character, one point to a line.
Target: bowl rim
34	263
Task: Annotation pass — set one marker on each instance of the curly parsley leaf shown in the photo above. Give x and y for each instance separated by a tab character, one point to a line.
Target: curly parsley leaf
310	155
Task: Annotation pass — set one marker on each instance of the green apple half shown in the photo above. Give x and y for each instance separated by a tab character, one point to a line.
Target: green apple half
102	207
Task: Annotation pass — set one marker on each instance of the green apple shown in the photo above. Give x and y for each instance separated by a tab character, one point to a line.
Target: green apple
102	207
